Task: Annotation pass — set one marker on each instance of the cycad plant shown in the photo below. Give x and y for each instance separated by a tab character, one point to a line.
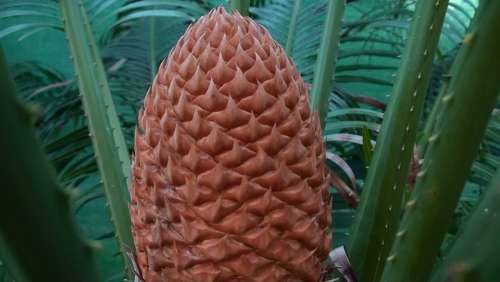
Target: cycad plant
247	130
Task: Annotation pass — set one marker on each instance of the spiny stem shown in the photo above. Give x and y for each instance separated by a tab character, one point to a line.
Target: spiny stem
378	215
450	154
327	57
473	251
104	126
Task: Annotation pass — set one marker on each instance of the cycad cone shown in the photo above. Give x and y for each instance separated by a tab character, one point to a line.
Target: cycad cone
229	180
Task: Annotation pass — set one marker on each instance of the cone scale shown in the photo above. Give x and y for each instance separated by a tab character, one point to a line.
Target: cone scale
229	175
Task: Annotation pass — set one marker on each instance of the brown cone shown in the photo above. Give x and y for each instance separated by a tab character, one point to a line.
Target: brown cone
229	180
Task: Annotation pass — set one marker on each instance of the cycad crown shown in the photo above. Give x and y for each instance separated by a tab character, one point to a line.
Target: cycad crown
229	179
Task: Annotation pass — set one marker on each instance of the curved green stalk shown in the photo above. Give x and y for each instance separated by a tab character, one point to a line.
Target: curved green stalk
452	148
433	119
242	6
104	126
431	122
152	48
39	238
476	252
292	26
378	215
327	57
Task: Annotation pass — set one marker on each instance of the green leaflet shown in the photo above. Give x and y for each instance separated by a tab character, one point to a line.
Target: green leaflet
367	145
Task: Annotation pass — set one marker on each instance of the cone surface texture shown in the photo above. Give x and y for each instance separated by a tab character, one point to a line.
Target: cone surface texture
229	175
